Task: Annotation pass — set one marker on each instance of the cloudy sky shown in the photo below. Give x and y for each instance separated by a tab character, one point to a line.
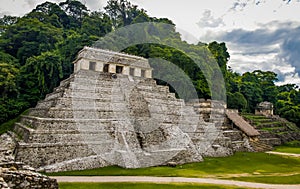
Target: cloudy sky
260	34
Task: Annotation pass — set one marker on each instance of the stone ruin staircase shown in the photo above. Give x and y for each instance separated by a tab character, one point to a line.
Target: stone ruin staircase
249	133
259	133
243	135
216	112
273	130
93	120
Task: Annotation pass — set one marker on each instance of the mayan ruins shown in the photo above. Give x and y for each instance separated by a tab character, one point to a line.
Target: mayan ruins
110	111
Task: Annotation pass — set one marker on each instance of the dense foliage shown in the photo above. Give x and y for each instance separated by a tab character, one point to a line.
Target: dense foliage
37	50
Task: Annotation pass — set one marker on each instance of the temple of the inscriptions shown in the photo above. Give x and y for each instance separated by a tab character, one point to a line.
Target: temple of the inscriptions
111	111
112	62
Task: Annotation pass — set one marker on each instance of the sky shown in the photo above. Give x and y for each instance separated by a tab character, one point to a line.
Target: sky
259	34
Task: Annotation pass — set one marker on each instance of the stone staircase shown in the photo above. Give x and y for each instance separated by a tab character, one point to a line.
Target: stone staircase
93	120
214	112
260	146
273	130
243	125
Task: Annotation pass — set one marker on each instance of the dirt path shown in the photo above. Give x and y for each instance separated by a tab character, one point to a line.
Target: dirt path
171	180
283	154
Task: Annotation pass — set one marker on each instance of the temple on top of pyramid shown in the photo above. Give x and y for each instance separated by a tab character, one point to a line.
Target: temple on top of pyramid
112	62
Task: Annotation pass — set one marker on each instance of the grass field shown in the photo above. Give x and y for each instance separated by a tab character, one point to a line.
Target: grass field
140	185
287	149
290	147
252	167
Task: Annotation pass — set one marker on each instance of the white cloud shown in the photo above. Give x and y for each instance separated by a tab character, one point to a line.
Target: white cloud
31	3
208	20
275	46
290	79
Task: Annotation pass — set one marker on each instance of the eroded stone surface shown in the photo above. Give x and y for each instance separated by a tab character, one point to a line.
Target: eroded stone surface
17	175
127	121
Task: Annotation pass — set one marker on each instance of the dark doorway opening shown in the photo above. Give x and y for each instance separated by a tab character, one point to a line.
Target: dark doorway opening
92	66
105	67
119	69
131	71
143	73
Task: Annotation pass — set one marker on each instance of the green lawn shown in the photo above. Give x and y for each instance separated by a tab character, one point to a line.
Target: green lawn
288	149
243	165
291	179
140	185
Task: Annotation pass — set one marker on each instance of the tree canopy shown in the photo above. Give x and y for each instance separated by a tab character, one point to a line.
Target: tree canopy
37	51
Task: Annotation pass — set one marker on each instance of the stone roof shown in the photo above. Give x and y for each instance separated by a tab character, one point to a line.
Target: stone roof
108	56
265	106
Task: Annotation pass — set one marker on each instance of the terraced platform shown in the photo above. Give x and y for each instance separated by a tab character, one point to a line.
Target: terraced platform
93	119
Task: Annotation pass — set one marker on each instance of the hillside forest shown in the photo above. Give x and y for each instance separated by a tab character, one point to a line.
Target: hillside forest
37	51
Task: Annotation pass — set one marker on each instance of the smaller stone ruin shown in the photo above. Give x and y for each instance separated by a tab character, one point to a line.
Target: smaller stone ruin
17	175
264	108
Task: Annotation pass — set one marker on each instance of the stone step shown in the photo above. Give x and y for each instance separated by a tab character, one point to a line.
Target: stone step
106	144
115	111
68	113
234	135
99	86
274	129
261	121
38	123
158	95
83	163
271	141
266	134
239	146
58	152
92	75
157	157
29	135
64	84
46	137
22	131
260	146
176	102
54	95
79	82
79	101
270	125
150	88
111	103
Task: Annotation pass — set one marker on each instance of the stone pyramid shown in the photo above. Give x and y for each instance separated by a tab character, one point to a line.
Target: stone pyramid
111	112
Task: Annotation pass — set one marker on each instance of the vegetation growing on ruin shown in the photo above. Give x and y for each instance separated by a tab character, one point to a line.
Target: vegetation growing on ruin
37	50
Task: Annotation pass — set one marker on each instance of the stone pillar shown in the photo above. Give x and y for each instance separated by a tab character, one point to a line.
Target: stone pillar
99	66
137	72
84	64
126	70
112	68
76	67
148	73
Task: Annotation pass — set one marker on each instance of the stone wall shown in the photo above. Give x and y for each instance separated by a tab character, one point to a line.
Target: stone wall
23	178
210	110
17	175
